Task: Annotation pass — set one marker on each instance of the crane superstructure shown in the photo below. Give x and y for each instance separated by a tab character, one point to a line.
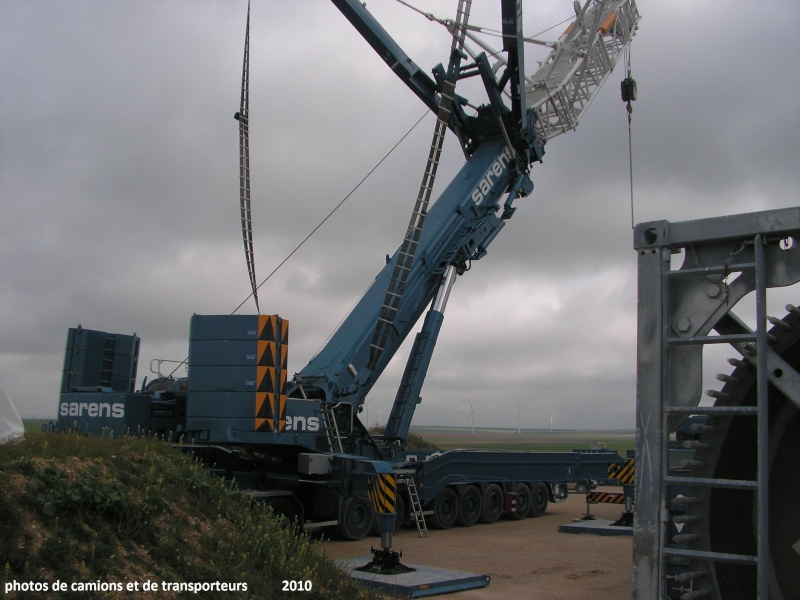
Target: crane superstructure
298	443
501	141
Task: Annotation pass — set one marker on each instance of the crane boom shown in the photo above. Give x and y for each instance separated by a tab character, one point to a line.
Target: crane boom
501	142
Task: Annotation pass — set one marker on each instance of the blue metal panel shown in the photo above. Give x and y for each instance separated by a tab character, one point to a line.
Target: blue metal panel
223	327
103	413
97	358
223	352
206	378
222	405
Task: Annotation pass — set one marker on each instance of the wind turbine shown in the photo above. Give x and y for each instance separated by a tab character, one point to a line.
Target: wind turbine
519	414
472	414
551	419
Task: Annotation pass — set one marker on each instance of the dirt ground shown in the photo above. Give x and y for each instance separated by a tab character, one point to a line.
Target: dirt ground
527	559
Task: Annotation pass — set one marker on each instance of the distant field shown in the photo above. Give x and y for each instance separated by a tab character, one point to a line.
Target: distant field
448	438
33	424
535	441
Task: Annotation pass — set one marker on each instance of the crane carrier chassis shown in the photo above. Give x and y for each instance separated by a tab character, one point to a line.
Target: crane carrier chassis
302	477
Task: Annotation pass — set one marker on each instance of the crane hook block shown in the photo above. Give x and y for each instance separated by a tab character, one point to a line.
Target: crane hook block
628	89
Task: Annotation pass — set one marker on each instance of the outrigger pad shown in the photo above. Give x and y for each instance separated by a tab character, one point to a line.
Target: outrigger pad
385	562
420	583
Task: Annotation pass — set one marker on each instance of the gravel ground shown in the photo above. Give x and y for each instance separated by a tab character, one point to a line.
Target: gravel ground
527	559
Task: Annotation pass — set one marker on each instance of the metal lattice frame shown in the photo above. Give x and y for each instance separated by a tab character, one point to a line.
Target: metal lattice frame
564	86
680	311
580	61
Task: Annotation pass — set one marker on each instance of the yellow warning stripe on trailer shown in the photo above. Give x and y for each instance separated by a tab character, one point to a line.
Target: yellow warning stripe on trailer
625	474
382	492
605	498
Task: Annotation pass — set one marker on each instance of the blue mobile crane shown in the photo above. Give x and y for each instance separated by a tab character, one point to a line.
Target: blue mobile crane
299	444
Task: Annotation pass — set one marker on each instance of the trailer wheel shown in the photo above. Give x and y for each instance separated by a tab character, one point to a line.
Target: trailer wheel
492	503
445	509
540	496
523	497
581	487
470	506
356	519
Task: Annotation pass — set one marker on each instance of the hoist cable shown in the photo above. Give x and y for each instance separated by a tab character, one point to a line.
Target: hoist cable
335	208
449	23
629	95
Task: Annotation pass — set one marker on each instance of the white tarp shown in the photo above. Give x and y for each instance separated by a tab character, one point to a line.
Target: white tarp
10	423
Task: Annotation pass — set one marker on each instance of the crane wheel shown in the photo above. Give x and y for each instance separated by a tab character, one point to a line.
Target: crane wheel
523	501
445	509
493	503
357	515
540	497
470	506
284	512
727	518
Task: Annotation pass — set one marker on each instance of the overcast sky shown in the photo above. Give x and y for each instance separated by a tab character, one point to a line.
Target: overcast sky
119	180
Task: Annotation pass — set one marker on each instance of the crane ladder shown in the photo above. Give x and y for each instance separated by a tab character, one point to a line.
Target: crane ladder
331	428
405	256
416	507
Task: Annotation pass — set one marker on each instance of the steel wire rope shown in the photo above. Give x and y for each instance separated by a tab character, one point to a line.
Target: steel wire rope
478	28
335	208
629	108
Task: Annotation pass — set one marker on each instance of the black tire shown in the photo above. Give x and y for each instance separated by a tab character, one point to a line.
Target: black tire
581	487
470	506
445	509
540	497
355	521
284	511
523	501
400	510
493	503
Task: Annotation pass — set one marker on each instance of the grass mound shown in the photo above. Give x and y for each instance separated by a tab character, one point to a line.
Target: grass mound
105	517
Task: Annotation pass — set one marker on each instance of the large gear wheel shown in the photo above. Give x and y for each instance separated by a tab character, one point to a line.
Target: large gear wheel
727	518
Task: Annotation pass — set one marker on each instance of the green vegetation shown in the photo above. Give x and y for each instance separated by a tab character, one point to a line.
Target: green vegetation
96	511
531	441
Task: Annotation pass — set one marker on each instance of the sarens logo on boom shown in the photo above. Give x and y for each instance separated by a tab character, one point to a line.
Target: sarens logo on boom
497	168
92	409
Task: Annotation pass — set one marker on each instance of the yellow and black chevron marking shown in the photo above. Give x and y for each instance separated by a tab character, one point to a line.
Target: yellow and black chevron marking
273	336
625	474
382	491
604	498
